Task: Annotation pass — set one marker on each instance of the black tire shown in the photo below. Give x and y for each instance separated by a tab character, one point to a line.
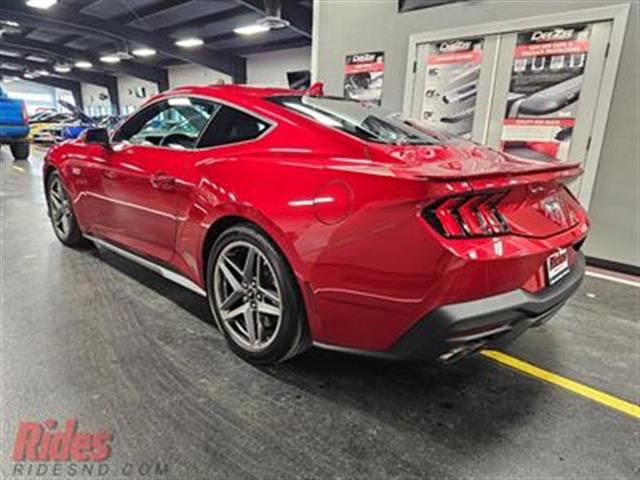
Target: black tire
292	337
73	236
20	151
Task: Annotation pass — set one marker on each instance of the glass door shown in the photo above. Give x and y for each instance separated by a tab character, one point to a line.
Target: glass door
532	93
546	86
451	81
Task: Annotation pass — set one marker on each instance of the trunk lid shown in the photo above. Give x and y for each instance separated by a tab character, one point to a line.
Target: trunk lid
533	202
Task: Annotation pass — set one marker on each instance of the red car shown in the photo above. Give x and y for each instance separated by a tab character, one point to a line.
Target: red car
308	219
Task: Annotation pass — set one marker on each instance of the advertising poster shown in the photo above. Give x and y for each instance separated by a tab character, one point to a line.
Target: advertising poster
451	83
546	79
364	76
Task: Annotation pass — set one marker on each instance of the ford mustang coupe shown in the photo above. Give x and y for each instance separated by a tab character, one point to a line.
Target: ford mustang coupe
309	219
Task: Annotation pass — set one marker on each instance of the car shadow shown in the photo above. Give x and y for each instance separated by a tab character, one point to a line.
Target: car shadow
435	402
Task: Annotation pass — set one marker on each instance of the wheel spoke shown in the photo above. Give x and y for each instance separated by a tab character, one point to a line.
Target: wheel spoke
233	266
250	325
270	295
248	272
228	275
258	260
259	330
56	201
235	312
268	309
65	224
59	190
231	299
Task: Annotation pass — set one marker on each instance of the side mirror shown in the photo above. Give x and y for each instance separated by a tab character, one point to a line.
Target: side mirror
98	136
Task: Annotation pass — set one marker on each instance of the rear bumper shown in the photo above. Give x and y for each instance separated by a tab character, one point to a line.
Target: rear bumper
454	331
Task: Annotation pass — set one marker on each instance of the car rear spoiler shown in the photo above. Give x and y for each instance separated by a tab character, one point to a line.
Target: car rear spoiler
500	180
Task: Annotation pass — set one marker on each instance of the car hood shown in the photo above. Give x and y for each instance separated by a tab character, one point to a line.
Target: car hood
457	159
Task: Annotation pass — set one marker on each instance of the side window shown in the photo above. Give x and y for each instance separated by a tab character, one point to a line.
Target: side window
231	126
176	123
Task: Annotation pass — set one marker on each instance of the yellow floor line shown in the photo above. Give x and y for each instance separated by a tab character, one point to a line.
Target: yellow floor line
575	387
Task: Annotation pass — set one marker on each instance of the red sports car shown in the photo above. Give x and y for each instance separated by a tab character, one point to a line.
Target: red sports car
309	219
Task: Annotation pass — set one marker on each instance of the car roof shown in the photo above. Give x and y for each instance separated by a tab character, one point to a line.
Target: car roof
234	90
238	94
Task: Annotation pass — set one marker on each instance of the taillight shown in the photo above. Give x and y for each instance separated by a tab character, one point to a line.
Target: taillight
468	216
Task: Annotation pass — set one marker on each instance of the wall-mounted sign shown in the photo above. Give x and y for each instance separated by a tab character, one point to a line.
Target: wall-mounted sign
364	76
546	80
451	83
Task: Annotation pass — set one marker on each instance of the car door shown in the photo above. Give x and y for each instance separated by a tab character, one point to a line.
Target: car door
139	195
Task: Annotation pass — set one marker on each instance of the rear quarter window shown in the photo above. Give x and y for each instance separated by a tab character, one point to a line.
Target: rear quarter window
232	126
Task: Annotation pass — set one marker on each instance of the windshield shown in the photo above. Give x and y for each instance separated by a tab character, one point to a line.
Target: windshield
369	123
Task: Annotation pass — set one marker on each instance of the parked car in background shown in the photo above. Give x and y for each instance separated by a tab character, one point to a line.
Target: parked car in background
14	126
110	122
307	219
48	121
54	127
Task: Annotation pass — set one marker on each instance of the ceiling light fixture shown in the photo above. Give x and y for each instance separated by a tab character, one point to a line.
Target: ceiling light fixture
189	42
9	27
36	58
144	52
62	68
41	4
83	64
110	59
9	53
251	29
271	21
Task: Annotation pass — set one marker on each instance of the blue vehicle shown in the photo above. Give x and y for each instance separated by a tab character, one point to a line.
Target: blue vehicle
14	126
80	125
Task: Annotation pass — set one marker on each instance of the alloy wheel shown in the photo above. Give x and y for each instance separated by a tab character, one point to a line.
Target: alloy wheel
247	296
61	213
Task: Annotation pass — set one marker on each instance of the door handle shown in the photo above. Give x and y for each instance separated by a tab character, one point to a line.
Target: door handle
162	181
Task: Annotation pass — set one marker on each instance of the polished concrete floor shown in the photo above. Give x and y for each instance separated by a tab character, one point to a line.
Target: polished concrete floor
90	336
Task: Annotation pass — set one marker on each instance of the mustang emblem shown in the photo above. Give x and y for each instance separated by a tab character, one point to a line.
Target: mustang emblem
553	210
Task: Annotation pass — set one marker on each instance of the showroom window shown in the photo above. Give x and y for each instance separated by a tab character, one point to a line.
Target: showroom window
174	123
231	126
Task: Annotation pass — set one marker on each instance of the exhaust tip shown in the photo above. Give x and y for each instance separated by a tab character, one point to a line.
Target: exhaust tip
460	352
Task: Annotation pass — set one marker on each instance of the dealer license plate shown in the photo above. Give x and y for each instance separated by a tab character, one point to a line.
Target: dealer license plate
557	265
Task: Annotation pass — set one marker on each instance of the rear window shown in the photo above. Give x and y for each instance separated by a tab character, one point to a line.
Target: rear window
366	122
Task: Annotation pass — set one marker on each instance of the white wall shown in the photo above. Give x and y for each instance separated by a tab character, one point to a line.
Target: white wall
195	75
91	99
127	88
262	69
271	68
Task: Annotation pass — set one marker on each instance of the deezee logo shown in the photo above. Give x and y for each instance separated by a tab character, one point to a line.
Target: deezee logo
363	58
552	35
455	46
45	442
